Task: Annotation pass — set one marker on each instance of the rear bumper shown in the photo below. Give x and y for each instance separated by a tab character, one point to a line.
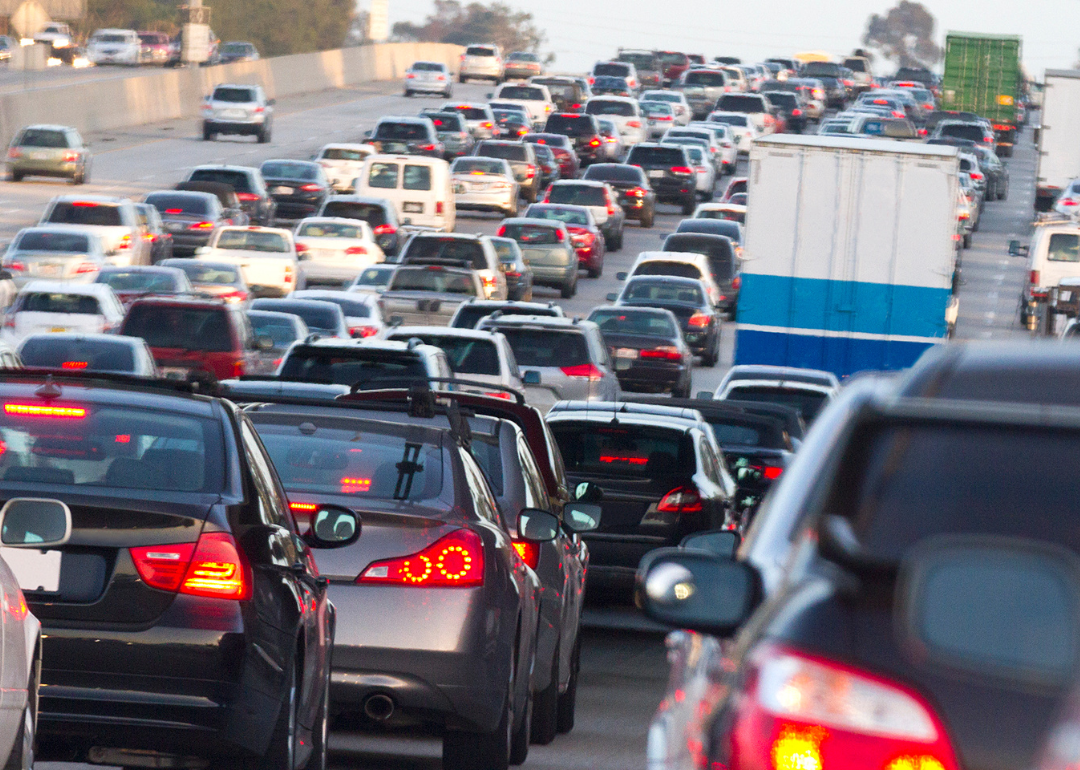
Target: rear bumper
293	209
651	377
186	243
227	127
429	86
554	276
613	559
44	167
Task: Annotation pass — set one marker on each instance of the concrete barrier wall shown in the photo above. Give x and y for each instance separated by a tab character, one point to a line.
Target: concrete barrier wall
159	95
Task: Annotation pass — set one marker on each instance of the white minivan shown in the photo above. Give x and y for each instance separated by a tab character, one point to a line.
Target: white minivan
420	188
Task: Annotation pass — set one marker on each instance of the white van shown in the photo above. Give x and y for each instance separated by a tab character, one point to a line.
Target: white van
419	187
114	46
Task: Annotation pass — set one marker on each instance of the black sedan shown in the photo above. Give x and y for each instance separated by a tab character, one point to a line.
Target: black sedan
687	299
299	187
189	216
183	622
636	195
647	349
511	124
563	149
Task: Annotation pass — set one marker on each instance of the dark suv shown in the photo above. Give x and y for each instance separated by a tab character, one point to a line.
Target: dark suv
249	186
636	195
181	535
582	130
670	173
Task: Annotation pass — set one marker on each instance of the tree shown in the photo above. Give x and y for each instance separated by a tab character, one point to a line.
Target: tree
475	23
904	35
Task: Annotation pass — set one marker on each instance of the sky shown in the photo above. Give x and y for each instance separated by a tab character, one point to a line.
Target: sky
580	34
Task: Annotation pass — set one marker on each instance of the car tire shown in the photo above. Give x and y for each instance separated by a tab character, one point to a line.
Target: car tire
479	751
967	240
545	707
449	93
15	176
407	94
568	699
519	740
709	359
264	136
281	751
22	750
647	221
689	206
683	392
321	730
569	289
617	245
596	272
207	134
461	78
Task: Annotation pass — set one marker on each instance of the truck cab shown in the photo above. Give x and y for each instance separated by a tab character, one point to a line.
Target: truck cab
1053	284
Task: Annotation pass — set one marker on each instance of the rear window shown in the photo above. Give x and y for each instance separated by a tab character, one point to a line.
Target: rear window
524	93
819	68
577	194
641	61
609	107
448	121
427	66
234	95
351	307
340	458
731	120
238	180
432	279
367	368
971	131
855	65
169	205
85	213
808	402
1063	247
782	99
253	240
700	78
656	156
330	230
478	166
342	153
739	103
622	321
531	235
615	173
371	213
662	291
470	315
54	241
201	272
466	356
416	177
115	446
400	131
475	50
58	302
670	57
743	434
298	171
467	249
169	326
281	330
59	353
547	347
664	267
568	216
720	253
506	151
570	125
375	276
656	108
315	316
613	69
627	450
42	137
139	280
472	113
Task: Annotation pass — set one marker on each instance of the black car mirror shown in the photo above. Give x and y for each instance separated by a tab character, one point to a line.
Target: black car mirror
264	342
536	525
1016	250
531	377
588	492
722	542
581	517
621	276
333	526
704	395
367	134
612	297
34	522
696	589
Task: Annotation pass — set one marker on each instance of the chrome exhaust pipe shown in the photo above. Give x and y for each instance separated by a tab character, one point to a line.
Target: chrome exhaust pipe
379	707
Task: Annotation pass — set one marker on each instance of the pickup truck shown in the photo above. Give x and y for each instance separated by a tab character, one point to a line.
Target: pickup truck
429	293
265	255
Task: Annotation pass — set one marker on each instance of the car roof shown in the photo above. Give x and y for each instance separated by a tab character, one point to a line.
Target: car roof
365	199
533	221
784	373
273	314
666	279
103	200
67	287
612	97
179	299
688	257
256	227
224	167
497	304
578	182
88	337
426	433
554	322
621	413
442	331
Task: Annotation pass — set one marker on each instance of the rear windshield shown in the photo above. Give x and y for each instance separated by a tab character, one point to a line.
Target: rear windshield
168	204
374	276
606	82
783	99
656	108
108	38
201	272
475	50
569	216
467	356
432	278
467	249
623	321
663	291
167	326
315	316
478	166
299	171
115	446
85	213
330	230
524	93
448	121
746	434
731	120
371	213
325	455
664	267
54	241
818	68
470	315
611	68
59	353
971	131
719	251
700	78
626	450
281	330
138	280
855	65
570	125
427	66
737	103
670	57
352	307
58	302
42	137
506	151
238	180
577	195
615	173
808	402
472	113
342	153
369	368
547	347
641	61
400	131
532	235
609	107
234	95
254	240
1063	247
656	156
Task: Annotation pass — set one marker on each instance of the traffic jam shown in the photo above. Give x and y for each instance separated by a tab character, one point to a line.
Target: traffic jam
357	437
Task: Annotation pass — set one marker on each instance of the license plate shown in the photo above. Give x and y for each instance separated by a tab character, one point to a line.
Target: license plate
39	155
413	208
174	372
626	353
622	364
235	114
283	191
394	147
48	270
35	571
657	174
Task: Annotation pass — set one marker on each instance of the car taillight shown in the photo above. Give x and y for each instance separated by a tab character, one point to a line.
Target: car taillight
665	352
245	196
439	208
528	551
796	112
633	124
802	711
76	365
385	230
1068	202
594	142
311	187
456	560
611	208
501	231
681	170
201	226
488	281
975	175
486	124
234	296
259	110
210	568
14	152
427	147
301	247
86	267
585	371
1033	277
530	171
290	274
363	331
44	410
772	472
680	500
71	157
125	241
238	368
637	192
410	76
736	282
699	319
354	250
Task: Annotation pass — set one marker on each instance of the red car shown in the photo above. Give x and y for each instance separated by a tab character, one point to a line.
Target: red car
563	148
674	63
586	236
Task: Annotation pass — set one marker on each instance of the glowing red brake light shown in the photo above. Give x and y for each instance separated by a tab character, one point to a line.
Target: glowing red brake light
246	196
529	552
385	230
74	365
162	566
681	170
501	231
594	142
84	205
1033	279
666	353
456	560
680	500
586	371
699	320
212	567
43	410
174	211
354	250
201	226
772	472
303	507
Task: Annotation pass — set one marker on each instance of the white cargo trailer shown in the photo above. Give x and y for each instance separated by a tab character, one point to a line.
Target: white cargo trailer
1059	150
850	253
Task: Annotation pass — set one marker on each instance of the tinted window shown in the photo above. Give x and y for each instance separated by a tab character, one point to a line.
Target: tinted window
663	267
428	279
315	315
731	120
613	69
532	235
622	321
139	280
506	151
371	213
1063	247
237	179
42	137
235	95
534	347
48	302
808	402
972	131
426	66
615	173
656	156
785	100
685	293
718	249
447	121
577	194
472	113
642	61
368	368
467	249
701	78
524	93
169	204
478	166
475	50
166	326
569	216
466	356
200	272
96	356
608	107
342	153
88	213
53	241
298	171
281	330
626	450
738	103
570	125
253	240
855	65
470	315
400	131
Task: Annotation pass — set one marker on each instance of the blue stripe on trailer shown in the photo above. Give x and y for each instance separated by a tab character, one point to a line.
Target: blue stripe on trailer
840	355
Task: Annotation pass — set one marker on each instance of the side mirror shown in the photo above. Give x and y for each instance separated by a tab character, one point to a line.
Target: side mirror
531	377
395	320
333	526
536	525
838	543
367	134
264	342
696	589
588	492
489	96
611	297
34	522
407	221
581	517
621	276
704	395
1016	250
722	542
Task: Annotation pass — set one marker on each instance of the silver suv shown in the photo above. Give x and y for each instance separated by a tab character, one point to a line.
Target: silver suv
484	62
238	109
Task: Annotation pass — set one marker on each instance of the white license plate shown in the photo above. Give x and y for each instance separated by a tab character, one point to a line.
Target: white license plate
413	208
39	155
35	571
235	114
283	191
50	270
626	353
657	174
391	147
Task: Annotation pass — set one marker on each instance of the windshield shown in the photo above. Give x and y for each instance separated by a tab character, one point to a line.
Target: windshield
631	450
169	204
234	95
432	278
282	331
623	321
42	137
60	353
466	355
469	250
204	273
238	180
506	151
85	213
569	216
613	69
400	131
138	280
609	107
808	402
58	302
731	120
479	166
342	153
523	93
168	326
330	230
374	276
38	240
299	171
254	240
547	347
369	368
656	156
372	213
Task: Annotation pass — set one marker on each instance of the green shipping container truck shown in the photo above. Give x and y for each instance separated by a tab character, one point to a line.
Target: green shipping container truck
982	75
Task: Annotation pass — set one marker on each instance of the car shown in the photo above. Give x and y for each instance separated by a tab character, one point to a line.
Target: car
659	117
373	280
647	348
582	130
723	260
429	77
249	186
427	293
599	198
298	187
675	65
708	137
217	279
618	69
478	116
624	111
161	243
471	311
406	136
612	147
418	187
333	250
974	131
341	162
194	338
266	256
237	51
569	94
647	65
480	357
522	159
453	132
702	87
130	283
677	100
325	319
362	316
791	109
49	150
755	106
563	149
379	213
282	329
568	354
635	195
719	212
481	62
742	127
189	217
238	109
670	174
735	186
114	46
185	470
88	353
548	247
585	235
511	125
472	251
808	390
114	220
153	48
364	364
606	85
59	306
702	165
46	252
485	184
661	473
547	163
522	65
715	221
518	272
535	98
688	299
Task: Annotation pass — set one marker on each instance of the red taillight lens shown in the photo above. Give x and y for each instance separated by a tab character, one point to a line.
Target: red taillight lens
586	371
211	568
699	320
201	226
71	157
736	282
362	332
245	196
682	170
456	560
238	367
975	175
14	152
303	507
355	250
796	112
163	566
501	231
594	142
85	267
665	353
125	242
1069	201
74	364
529	552
311	187
633	124
301	247
772	472
680	500
439	208
385	230
1033	279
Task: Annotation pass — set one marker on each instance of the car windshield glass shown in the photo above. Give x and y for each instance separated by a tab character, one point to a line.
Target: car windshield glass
109	38
43	240
731	120
478	166
168	326
114	446
432	278
352	307
1063	247
547	347
139	280
234	95
317	315
281	330
606	82
58	302
299	171
447	121
42	137
625	450
375	276
85	213
531	235
700	78
656	156
524	93
623	321
740	433
466	356
642	61
738	103
342	153
330	230
170	205
368	368
426	66
254	240
201	272
236	48
469	315
569	216
577	194
785	100
971	131
665	291
372	213
400	131
238	180
570	125
670	57
665	267
467	249
615	173
507	151
476	50
609	107
656	108
718	251
328	456
612	68
416	177
808	402
59	353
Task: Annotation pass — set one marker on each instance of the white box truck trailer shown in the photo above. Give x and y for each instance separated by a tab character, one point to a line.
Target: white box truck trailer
1059	150
850	254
